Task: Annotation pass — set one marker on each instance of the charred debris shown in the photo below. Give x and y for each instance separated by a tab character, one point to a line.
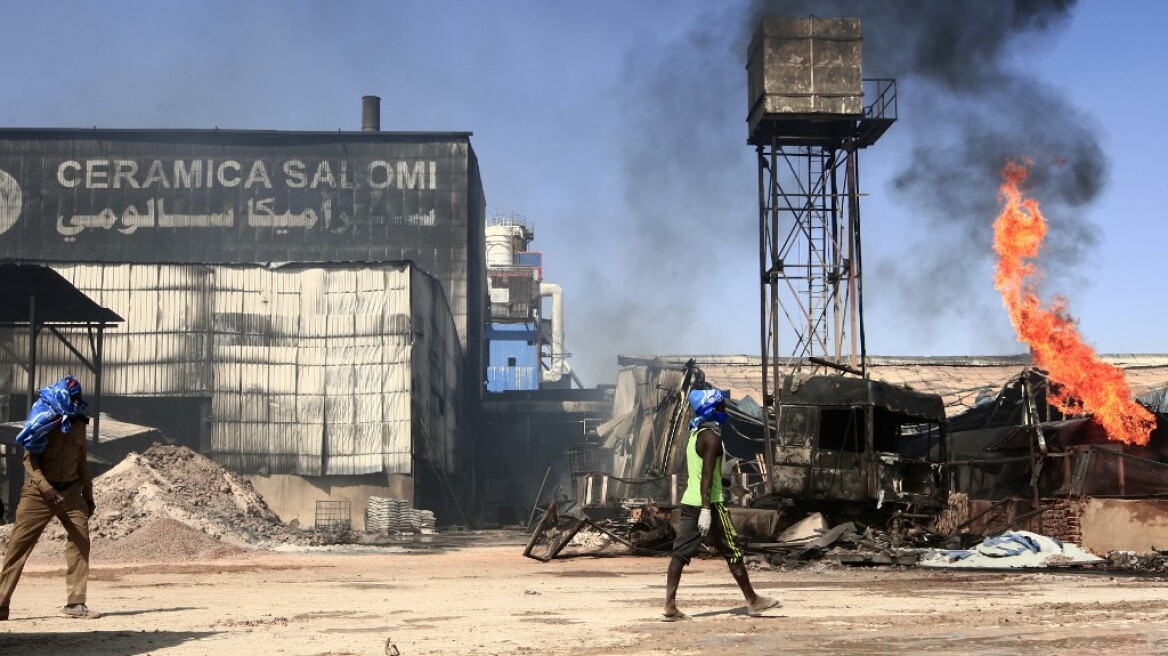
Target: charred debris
858	471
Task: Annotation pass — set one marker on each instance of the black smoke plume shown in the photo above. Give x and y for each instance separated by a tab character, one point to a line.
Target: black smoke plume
966	107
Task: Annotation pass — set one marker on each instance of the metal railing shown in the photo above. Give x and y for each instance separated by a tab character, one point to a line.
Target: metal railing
883	94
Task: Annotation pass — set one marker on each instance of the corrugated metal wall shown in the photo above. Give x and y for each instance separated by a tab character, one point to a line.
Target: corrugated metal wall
310	370
9	381
437	379
513	358
161	350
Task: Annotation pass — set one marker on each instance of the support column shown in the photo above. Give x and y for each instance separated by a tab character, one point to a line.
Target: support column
97	376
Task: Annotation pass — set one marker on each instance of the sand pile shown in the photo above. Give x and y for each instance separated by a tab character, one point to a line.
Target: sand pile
170	503
165	539
175	482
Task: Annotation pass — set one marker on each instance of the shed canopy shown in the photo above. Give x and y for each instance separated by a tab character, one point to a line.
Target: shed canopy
56	301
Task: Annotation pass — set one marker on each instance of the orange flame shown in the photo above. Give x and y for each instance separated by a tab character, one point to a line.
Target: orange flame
1087	383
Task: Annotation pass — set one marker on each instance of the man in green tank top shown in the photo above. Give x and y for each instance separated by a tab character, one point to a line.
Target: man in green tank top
703	507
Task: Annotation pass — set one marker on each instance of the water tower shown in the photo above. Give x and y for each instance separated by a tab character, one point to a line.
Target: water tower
811	112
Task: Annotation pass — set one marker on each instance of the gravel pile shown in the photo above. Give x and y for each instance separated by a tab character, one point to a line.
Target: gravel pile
175	482
172	504
162	540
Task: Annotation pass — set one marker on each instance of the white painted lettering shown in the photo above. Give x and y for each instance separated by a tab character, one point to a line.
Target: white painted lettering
405	179
66	173
259	174
324	173
169	173
156	175
95	174
124	171
188	178
294	170
346	183
382	179
223	168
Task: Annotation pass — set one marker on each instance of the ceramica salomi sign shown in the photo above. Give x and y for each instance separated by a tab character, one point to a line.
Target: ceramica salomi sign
249	198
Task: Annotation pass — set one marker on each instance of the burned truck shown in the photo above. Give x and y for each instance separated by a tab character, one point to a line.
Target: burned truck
847	446
858	445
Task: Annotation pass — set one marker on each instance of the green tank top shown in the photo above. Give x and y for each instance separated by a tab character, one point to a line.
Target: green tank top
693	486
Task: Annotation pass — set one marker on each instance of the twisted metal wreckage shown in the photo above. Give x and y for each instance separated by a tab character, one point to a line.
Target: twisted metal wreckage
860	466
848	446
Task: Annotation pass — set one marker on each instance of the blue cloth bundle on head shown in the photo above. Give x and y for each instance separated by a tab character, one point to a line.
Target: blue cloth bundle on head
57	404
705	406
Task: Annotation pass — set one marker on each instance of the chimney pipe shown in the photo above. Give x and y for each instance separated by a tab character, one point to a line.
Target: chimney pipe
370	113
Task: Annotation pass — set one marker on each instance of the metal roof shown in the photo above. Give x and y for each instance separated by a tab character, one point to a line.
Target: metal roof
212	134
958	380
56	301
112	430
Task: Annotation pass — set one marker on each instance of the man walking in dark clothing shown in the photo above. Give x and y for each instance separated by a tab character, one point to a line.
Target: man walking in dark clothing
58	484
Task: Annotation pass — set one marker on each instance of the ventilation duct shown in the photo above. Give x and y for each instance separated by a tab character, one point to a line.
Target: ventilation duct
557	368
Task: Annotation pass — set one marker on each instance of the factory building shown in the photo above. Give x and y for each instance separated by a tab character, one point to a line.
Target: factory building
537	427
525	346
306	308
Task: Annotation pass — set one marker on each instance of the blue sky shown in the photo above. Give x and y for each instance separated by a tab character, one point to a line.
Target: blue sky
618	129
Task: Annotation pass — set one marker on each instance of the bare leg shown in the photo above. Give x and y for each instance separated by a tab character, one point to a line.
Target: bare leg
755	603
738	569
672	579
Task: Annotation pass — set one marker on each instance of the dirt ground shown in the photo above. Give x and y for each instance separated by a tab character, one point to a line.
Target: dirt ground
481	596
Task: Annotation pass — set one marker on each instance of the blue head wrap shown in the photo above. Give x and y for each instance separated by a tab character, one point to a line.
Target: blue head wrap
705	406
53	410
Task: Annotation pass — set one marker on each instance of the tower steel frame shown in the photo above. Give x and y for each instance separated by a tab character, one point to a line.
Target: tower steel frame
810	253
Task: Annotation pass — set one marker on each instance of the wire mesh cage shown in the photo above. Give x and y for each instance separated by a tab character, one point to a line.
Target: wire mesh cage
334	515
586	459
1105	471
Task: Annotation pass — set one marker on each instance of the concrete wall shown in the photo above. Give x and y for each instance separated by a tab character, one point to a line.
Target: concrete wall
1139	525
294	498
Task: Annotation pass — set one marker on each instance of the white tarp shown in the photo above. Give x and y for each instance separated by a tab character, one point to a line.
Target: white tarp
1011	549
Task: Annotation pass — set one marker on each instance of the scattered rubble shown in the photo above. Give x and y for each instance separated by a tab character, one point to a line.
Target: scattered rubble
643	532
1154	563
814	540
849	543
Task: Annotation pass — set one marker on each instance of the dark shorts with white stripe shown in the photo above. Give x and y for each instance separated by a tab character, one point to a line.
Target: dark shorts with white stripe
722	535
